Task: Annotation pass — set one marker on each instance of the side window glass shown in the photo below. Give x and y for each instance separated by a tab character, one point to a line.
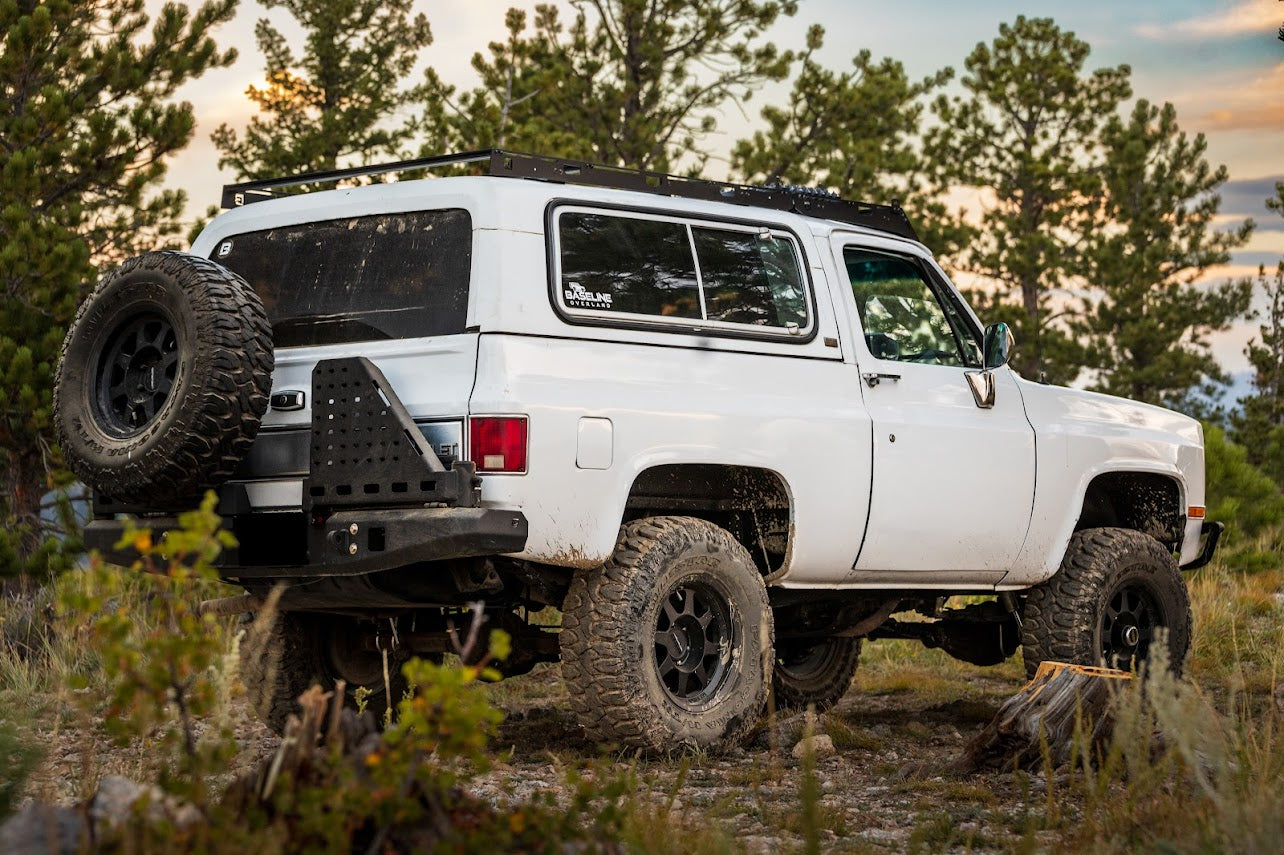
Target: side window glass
619	264
624	264
901	315
750	278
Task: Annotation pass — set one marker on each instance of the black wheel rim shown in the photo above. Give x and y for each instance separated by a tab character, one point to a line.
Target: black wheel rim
136	374
1128	626
349	658
803	659
694	637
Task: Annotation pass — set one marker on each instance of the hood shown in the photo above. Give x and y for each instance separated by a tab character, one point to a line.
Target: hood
1049	407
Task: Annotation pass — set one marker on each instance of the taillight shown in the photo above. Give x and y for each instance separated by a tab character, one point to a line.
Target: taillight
498	443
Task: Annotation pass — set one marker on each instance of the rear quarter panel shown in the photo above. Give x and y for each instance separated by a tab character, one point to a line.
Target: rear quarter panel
794	408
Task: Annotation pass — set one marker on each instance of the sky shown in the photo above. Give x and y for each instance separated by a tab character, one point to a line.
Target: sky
1218	61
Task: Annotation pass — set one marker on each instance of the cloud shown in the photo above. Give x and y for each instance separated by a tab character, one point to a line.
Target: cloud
1246	197
1248	263
1247	16
1238	102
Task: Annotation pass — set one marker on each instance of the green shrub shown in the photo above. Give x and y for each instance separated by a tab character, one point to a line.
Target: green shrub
163	664
1247	501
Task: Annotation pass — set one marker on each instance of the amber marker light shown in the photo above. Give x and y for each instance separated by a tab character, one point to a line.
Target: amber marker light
1195	512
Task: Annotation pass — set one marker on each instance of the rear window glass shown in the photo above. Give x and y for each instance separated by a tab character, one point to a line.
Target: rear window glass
388	276
675	271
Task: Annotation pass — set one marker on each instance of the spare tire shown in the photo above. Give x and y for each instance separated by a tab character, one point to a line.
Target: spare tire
164	378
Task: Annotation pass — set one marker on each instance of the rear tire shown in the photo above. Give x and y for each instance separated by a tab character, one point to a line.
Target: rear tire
815	674
164	377
669	643
1115	589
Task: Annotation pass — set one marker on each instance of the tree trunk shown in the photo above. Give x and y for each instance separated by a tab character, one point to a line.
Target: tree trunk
1045	713
25	484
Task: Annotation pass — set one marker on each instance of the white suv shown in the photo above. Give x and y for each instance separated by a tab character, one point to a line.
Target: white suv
727	431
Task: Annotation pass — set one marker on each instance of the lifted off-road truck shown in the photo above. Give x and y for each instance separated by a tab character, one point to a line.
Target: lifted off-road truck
729	432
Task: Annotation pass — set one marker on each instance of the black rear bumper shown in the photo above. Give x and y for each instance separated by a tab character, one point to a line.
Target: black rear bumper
356	541
376	496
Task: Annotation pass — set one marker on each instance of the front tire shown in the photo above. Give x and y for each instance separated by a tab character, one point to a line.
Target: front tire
304	650
669	643
1116	590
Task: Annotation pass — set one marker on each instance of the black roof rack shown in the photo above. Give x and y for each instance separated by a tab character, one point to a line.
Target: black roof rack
508	164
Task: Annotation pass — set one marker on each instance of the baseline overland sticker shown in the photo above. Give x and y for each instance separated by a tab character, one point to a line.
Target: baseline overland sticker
578	297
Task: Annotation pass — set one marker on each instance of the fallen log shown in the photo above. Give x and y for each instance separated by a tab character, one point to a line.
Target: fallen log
1045	713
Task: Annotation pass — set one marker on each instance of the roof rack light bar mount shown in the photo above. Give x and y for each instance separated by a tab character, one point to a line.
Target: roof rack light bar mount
885	218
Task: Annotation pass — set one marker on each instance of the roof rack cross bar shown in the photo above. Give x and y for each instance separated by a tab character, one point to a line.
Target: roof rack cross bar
501	163
259	188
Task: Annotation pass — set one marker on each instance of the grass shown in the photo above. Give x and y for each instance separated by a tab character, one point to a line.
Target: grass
1213	781
1239	630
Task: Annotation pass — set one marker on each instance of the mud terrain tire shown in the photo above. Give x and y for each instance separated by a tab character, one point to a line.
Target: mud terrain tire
1114	589
817	674
299	653
164	377
669	643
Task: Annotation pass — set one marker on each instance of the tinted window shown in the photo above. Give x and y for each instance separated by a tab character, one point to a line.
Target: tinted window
750	278
612	263
389	276
901	314
623	264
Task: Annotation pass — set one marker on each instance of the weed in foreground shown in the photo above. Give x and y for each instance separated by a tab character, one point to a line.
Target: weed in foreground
18	756
1181	774
162	661
159	674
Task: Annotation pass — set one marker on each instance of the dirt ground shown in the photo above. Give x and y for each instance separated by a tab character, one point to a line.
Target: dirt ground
882	787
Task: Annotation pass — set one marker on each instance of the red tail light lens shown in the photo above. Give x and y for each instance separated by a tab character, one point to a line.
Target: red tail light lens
498	443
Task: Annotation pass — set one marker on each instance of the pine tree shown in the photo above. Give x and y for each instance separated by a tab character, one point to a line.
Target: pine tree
629	83
1026	135
1146	326
1259	425
87	124
1276	202
502	111
854	133
337	104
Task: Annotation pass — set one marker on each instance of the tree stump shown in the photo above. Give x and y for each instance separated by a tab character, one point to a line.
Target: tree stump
1045	712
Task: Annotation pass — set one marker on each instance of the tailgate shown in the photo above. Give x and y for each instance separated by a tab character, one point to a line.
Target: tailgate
433	377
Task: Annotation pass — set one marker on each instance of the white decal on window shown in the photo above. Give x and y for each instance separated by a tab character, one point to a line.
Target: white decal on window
578	297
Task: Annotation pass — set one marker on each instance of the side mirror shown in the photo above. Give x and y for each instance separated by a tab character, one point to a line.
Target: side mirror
997	345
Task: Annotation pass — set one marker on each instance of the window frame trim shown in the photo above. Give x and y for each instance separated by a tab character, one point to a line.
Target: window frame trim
659	323
943	291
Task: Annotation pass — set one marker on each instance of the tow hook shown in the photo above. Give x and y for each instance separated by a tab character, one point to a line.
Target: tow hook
344	540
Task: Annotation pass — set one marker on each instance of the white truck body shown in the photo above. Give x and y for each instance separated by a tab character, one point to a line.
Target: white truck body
896	482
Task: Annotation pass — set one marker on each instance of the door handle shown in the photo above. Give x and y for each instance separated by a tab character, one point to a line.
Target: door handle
873	378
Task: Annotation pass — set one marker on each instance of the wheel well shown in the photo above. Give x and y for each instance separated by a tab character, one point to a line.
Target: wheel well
1144	501
751	503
